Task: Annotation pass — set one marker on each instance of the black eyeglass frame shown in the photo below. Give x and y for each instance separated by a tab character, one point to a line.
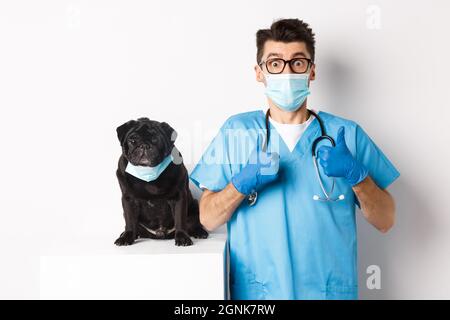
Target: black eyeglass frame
310	63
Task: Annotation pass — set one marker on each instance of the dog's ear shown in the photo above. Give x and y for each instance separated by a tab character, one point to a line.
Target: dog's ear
123	129
169	132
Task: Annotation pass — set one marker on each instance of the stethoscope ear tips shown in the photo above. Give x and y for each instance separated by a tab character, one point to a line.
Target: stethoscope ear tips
316	197
341	197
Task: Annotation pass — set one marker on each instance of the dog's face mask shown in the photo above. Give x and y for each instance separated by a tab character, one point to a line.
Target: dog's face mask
146	142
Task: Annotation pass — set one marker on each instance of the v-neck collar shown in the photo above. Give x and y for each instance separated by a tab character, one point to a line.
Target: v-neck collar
303	144
291	133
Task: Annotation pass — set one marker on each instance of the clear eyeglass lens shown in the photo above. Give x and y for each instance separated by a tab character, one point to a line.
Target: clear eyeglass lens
298	65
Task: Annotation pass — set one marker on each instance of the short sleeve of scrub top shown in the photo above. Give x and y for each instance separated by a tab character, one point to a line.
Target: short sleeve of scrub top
213	170
381	170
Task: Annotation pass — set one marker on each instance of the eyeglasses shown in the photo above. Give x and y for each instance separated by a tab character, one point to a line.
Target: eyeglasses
277	65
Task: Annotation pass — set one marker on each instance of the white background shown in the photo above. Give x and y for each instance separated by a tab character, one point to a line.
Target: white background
72	71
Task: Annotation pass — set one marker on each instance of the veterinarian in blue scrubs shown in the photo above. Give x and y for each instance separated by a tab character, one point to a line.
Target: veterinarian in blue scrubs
292	242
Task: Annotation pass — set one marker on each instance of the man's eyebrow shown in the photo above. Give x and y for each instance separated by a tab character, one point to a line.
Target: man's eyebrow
274	54
279	55
302	54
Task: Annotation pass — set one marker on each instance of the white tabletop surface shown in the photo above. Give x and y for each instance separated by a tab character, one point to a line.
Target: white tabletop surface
103	244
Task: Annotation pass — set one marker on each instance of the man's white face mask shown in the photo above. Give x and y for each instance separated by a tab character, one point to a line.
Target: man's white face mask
287	91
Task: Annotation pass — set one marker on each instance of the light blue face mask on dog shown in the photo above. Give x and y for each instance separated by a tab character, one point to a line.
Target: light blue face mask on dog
148	173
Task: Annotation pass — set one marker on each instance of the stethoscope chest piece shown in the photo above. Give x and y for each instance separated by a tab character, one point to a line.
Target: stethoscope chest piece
251	199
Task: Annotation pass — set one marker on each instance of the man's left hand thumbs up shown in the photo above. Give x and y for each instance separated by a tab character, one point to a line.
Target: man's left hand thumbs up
339	162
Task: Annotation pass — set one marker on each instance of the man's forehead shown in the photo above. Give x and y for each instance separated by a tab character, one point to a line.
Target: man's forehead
285	50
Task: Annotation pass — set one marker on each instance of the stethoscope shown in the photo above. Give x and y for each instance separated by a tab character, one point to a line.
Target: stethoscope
253	196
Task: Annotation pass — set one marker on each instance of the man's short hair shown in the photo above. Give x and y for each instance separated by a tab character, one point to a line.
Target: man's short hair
286	30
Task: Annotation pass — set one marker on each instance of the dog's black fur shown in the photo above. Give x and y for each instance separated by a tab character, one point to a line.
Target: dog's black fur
153	209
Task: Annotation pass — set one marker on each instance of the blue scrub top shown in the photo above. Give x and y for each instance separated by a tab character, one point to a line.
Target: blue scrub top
289	246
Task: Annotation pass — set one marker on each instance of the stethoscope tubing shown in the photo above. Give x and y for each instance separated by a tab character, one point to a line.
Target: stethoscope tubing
251	199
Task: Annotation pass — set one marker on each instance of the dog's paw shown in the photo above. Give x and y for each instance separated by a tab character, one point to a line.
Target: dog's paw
182	239
199	233
126	238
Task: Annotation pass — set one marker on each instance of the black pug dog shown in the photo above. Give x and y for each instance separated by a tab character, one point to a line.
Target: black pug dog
163	208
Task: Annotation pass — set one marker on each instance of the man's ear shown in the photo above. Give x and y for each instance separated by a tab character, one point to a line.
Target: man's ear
312	73
259	74
123	130
169	132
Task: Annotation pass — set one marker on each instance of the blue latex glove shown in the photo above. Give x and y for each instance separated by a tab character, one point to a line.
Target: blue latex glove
261	168
338	161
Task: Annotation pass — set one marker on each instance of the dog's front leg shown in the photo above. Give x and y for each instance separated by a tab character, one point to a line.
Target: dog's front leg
131	214
179	209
